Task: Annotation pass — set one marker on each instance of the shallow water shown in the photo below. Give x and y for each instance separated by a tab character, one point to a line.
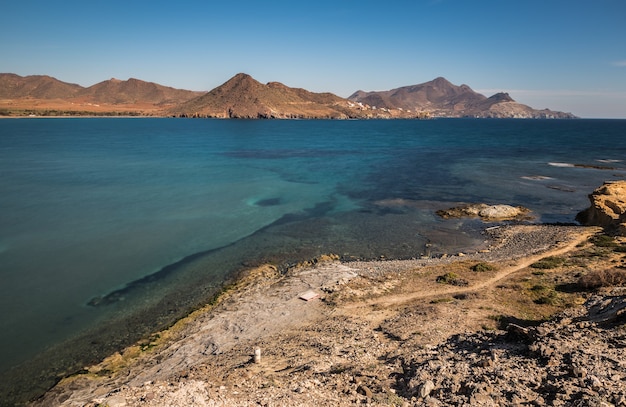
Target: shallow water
112	228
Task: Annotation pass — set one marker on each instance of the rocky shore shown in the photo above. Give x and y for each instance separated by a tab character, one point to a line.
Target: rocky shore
538	318
387	333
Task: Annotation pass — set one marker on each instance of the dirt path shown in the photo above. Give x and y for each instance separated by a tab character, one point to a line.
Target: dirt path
522	263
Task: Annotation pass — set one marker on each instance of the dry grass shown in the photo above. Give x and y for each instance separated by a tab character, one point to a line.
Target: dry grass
603	278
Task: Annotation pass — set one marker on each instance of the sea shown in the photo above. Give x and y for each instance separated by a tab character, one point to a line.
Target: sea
113	228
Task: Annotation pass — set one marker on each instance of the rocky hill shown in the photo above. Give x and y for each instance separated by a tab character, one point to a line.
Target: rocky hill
441	98
115	91
244	97
44	95
13	86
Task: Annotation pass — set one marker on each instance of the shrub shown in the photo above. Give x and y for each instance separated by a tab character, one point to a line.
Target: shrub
603	278
604	241
550	298
482	267
550	262
442	300
452	279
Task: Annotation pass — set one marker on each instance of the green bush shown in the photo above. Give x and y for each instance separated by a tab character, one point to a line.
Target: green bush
604	241
482	267
452	279
550	262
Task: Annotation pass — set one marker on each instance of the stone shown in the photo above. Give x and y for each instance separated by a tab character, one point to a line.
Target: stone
608	208
257	355
116	401
364	390
579	371
425	389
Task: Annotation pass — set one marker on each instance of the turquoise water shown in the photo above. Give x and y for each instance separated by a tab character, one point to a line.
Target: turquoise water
112	228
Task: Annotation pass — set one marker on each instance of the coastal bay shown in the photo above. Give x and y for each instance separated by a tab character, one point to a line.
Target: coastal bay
116	229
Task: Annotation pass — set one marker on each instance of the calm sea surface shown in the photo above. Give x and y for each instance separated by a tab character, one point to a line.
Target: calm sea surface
113	228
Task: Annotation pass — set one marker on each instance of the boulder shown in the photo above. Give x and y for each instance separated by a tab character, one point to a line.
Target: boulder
608	208
486	212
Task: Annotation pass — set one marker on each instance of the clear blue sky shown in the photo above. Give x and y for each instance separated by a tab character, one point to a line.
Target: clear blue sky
567	55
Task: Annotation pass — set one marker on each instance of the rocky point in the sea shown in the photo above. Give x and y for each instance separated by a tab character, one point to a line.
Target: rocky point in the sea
608	208
486	212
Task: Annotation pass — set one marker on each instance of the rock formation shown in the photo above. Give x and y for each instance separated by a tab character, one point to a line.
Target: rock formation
608	208
486	212
575	359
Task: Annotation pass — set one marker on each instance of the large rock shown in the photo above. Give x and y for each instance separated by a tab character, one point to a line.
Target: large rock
486	212
608	208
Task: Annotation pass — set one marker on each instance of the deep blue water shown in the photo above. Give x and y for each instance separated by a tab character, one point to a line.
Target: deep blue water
122	225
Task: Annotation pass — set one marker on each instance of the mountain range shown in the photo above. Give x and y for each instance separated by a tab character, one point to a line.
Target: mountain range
244	97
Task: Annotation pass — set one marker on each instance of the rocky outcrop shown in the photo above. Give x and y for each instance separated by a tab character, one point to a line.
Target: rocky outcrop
576	359
489	213
608	208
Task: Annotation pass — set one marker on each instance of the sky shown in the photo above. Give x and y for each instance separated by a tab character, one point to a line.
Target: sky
567	55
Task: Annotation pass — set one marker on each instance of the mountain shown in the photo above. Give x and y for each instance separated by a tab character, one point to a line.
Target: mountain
45	95
440	98
438	94
244	97
132	91
13	86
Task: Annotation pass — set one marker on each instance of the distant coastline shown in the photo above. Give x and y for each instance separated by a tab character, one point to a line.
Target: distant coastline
242	97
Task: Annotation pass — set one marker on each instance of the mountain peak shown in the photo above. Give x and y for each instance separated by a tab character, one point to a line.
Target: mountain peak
501	97
440	80
242	77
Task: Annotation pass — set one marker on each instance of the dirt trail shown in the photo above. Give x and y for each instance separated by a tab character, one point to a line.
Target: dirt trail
522	263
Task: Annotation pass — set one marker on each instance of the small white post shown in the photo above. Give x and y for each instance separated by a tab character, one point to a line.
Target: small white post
257	355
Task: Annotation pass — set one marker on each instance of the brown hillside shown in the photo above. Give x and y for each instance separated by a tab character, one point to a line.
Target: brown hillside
244	97
444	99
44	95
438	94
131	91
13	86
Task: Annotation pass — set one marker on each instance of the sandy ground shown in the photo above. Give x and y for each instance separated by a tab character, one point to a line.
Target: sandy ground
344	346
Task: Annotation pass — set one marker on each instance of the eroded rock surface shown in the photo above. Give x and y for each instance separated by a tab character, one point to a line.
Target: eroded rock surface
608	208
574	359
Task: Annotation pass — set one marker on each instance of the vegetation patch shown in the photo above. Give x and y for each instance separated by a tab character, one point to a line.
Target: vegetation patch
442	300
550	297
538	273
603	278
466	296
604	241
452	279
482	267
550	262
150	343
